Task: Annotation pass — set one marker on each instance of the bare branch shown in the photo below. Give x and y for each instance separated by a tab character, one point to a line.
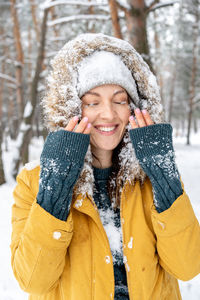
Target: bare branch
7	77
123	6
153	4
77	18
196	99
10	85
161	5
48	4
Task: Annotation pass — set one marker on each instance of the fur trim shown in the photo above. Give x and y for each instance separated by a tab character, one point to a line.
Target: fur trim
61	102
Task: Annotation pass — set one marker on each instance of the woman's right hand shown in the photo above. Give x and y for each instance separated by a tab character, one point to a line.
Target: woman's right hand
83	127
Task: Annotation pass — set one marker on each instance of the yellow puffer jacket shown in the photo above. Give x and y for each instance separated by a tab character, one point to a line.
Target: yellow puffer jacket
57	260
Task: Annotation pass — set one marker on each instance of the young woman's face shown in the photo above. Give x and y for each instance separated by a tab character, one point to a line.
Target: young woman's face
108	111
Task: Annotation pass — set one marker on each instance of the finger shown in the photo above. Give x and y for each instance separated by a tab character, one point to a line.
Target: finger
132	122
72	123
139	117
82	125
147	117
88	129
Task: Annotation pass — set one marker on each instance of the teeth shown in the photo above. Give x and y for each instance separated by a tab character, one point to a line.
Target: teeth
107	129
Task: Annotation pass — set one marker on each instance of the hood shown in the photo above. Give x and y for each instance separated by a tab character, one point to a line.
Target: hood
62	102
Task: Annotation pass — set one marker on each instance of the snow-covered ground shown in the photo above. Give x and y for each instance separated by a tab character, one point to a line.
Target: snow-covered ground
188	160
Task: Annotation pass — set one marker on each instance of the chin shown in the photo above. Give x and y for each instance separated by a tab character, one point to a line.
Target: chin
107	147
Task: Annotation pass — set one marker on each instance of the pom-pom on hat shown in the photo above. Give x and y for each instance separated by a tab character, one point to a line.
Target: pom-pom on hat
103	67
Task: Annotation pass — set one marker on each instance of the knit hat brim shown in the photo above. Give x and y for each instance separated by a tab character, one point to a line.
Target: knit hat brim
103	67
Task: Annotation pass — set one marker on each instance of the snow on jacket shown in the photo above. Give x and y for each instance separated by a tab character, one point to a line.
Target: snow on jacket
54	259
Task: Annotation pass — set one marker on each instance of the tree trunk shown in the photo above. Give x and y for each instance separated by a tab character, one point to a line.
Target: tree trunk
158	49
35	22
195	125
171	99
25	131
193	76
53	17
115	20
2	80
30	65
137	28
90	28
2	175
20	57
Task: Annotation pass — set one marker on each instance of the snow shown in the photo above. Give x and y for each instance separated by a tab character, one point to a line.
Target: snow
107	259
79	203
28	109
130	243
187	158
114	234
32	165
4	76
48	4
77	18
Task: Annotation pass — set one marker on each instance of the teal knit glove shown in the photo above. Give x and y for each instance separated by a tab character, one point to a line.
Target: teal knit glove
154	150
61	162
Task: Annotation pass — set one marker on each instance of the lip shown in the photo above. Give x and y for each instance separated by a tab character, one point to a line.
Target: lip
107	133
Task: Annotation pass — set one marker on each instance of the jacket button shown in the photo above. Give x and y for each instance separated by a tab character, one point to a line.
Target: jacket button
57	235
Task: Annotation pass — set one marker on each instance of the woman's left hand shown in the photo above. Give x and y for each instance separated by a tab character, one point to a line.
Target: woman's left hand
142	119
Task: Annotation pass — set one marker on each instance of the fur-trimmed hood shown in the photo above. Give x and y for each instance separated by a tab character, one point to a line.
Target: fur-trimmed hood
62	102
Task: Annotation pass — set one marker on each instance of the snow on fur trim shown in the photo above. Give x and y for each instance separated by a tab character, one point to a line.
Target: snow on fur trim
62	102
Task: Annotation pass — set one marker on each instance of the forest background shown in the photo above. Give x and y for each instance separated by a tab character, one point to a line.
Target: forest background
165	33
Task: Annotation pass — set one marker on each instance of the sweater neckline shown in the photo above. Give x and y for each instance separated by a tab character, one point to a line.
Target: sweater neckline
102	174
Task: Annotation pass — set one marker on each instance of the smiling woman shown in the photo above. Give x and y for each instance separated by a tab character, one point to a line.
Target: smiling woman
108	111
104	215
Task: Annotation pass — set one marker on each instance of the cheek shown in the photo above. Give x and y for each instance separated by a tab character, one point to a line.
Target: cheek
125	116
90	115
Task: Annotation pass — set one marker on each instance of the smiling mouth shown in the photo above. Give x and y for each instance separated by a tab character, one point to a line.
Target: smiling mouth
106	130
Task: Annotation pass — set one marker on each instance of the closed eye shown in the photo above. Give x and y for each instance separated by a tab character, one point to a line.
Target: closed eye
120	102
90	104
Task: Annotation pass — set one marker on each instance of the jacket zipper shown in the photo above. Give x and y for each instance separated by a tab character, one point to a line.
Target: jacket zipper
123	244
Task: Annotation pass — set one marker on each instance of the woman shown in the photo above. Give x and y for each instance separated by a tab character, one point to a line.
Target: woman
104	215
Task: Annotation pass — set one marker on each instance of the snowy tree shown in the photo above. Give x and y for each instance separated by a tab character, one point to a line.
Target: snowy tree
173	42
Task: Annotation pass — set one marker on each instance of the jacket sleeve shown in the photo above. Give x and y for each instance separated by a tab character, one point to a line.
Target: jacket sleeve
61	162
39	240
178	239
153	147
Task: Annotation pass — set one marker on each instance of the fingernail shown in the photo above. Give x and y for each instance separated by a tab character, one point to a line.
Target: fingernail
131	118
75	118
89	125
144	111
137	110
85	119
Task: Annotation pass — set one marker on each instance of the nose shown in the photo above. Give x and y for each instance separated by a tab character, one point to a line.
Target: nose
107	112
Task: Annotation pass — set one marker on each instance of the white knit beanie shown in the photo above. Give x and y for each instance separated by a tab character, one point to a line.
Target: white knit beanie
103	67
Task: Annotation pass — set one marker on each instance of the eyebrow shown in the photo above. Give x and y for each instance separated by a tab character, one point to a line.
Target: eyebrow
96	94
